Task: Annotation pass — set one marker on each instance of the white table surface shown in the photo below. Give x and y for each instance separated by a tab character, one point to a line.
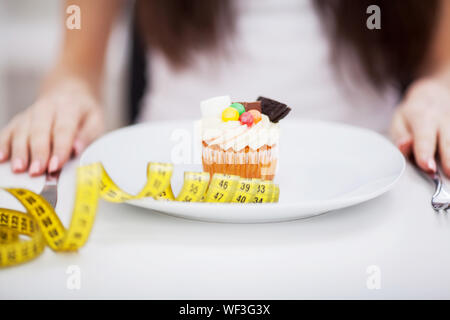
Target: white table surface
136	253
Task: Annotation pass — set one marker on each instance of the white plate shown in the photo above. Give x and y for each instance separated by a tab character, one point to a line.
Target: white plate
323	166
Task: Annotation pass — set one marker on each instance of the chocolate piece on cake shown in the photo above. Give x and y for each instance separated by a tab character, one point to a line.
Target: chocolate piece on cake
283	115
252	105
273	109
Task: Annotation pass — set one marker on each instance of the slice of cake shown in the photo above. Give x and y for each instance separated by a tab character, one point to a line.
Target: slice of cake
241	138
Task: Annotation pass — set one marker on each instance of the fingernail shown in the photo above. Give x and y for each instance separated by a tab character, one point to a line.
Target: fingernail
401	143
2	156
404	145
431	164
35	167
78	147
17	165
53	166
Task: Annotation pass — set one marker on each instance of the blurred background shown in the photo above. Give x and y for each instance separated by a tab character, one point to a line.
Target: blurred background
24	24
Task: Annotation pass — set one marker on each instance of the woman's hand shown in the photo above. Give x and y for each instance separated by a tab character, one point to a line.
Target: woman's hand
65	118
421	125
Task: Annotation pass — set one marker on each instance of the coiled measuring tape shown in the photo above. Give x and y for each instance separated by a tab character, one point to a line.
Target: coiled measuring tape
41	224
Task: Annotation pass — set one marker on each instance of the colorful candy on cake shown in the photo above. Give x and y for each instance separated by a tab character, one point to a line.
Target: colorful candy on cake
241	138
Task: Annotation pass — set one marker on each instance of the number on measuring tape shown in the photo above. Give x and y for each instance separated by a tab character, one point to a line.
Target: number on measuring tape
194	187
222	188
264	192
246	190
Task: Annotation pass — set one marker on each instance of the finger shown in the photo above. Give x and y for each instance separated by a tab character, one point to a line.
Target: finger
444	148
91	128
401	134
406	147
19	145
40	130
5	143
63	133
425	132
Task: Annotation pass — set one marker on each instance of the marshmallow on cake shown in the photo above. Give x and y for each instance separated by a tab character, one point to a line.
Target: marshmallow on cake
241	138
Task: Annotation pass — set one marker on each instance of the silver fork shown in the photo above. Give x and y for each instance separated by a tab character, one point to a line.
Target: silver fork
50	190
440	201
441	198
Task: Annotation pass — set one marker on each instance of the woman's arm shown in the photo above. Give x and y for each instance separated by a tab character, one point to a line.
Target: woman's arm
83	50
66	116
421	124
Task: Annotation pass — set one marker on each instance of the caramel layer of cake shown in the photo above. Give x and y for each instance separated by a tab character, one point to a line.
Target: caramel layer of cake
247	163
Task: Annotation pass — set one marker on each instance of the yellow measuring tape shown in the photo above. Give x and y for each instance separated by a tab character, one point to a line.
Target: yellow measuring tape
43	227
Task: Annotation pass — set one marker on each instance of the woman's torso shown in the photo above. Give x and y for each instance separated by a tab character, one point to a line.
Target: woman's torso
278	51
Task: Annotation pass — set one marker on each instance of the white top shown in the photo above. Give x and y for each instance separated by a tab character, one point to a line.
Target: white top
279	51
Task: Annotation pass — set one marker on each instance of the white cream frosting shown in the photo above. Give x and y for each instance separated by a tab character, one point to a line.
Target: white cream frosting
213	107
232	134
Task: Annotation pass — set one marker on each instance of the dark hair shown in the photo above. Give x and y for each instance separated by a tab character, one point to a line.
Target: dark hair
181	28
393	54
